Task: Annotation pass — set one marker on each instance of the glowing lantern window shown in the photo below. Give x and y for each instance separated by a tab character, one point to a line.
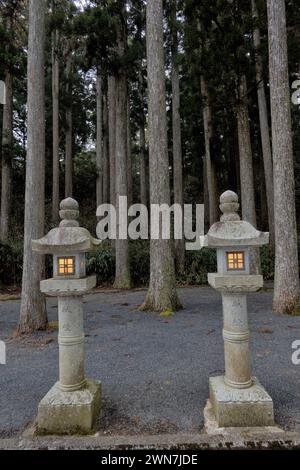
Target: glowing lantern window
235	261
66	266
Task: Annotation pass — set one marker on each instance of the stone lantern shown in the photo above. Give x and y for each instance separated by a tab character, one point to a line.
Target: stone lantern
74	402
236	399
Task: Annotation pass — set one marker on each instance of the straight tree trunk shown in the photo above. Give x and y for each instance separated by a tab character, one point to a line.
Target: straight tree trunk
112	136
69	129
129	156
55	128
205	196
246	168
7	142
33	314
105	151
210	174
264	125
142	143
99	142
122	276
176	133
286	289
162	293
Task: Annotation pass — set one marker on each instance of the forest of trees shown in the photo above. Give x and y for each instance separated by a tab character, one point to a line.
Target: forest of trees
162	102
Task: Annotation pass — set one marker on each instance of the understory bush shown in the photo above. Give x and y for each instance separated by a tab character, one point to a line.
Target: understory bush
11	263
102	262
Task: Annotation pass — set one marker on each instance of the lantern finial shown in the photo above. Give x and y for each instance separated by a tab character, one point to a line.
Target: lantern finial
229	205
69	213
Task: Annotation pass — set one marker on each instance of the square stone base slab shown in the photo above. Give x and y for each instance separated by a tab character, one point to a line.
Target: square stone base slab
69	412
241	433
249	407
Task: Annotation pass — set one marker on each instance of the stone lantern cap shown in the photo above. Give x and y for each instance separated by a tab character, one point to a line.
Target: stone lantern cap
68	237
231	230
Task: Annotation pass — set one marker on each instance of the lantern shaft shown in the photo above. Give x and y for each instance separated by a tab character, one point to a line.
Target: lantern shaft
71	344
236	341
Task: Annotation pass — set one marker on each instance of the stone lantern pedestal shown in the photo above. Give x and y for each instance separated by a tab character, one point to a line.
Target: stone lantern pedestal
73	404
236	399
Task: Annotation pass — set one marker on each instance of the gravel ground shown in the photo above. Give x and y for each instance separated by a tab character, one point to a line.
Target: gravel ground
154	370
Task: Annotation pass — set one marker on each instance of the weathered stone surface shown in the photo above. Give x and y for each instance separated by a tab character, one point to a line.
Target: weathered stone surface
240	407
231	231
237	432
68	287
235	282
68	237
69	412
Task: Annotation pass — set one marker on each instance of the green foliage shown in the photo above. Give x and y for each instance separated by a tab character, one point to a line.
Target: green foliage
11	263
267	262
197	265
139	262
102	263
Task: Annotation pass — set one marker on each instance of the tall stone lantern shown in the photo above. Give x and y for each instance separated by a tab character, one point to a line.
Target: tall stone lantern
74	402
236	399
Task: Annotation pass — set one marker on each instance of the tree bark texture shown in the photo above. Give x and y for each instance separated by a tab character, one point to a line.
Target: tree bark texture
55	127
69	128
99	142
246	167
264	125
7	143
176	133
122	275
162	293
286	288
33	314
112	136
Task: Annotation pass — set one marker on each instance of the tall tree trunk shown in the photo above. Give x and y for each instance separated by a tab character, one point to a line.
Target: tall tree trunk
176	132
55	128
105	151
264	125
246	167
209	166
142	143
129	156
286	289
122	277
205	196
162	293
33	314
69	128
7	143
112	136
99	142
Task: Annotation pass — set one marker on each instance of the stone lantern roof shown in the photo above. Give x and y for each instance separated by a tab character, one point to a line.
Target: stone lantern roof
68	237
231	230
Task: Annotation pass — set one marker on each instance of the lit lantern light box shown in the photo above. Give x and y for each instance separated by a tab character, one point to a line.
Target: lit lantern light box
235	261
70	266
231	261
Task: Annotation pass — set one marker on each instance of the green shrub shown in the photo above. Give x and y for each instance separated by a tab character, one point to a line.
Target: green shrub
267	257
139	251
197	265
102	262
11	263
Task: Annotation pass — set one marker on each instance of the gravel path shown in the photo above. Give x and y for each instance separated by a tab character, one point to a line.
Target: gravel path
154	370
